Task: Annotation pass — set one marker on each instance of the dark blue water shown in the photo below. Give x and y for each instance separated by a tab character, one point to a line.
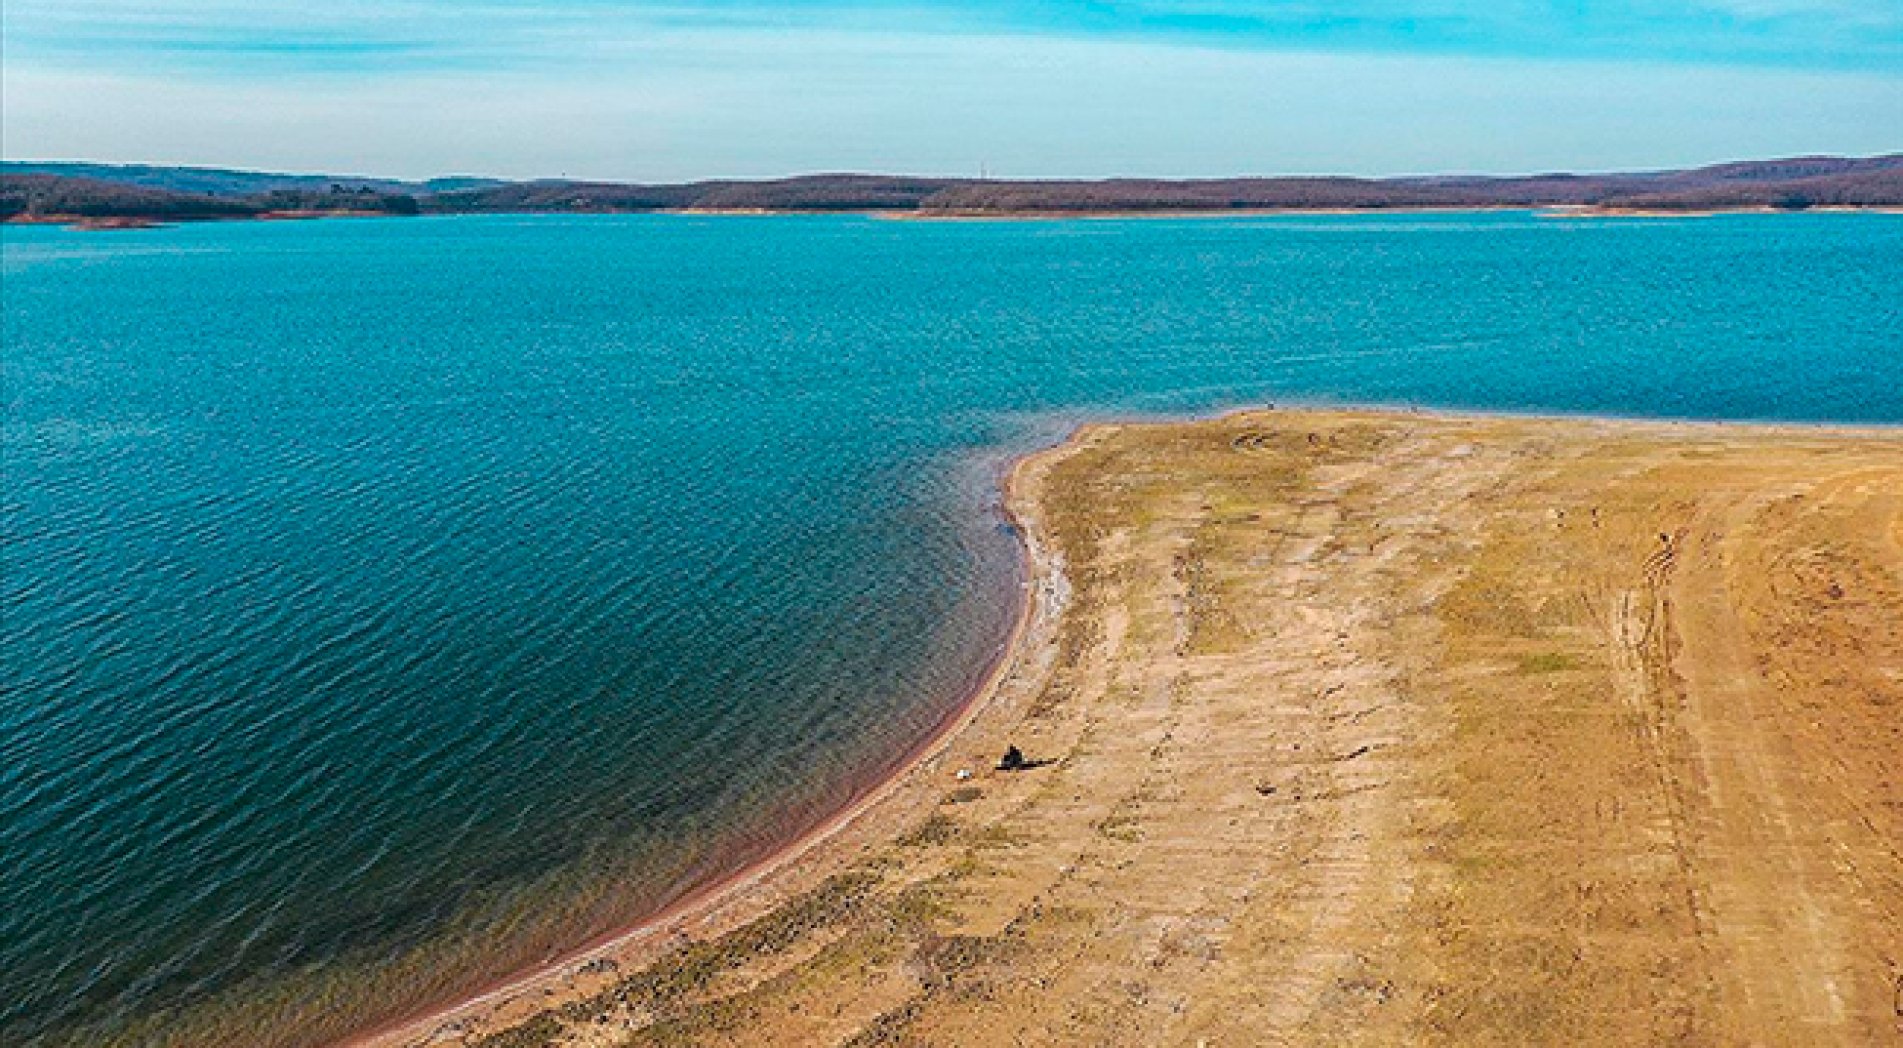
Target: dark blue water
391	604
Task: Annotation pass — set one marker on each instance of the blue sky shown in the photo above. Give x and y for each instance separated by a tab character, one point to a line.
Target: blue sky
691	88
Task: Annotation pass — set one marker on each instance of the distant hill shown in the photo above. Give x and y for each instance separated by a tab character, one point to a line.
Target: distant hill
27	196
1768	183
49	197
41	190
227	182
803	193
1790	184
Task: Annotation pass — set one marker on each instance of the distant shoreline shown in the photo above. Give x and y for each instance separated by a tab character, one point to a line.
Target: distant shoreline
1714	212
108	223
71	191
95	223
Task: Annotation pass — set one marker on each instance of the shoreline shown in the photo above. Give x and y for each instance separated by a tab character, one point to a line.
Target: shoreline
878	820
1070	214
727	901
114	223
108	223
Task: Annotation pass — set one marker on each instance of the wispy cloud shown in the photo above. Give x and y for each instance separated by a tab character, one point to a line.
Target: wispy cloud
1815	33
678	90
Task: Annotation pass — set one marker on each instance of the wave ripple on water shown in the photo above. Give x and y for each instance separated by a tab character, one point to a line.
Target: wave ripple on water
389	605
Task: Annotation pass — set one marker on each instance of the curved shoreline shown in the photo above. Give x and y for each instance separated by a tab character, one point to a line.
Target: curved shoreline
1327	674
755	889
727	901
1345	706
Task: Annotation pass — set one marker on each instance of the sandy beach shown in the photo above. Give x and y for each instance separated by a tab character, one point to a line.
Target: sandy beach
1358	727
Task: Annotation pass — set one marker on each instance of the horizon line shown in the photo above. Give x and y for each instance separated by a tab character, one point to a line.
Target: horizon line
867	173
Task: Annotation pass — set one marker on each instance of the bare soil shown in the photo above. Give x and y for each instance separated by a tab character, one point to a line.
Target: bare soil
1369	728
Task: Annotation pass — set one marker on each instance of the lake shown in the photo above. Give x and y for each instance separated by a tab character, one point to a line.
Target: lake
390	605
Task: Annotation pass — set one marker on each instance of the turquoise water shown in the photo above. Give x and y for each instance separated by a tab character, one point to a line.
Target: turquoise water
390	604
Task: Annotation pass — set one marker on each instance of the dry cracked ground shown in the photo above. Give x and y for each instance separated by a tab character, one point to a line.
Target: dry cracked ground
1376	729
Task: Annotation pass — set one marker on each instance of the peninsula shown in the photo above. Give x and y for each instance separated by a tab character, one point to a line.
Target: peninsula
1360	727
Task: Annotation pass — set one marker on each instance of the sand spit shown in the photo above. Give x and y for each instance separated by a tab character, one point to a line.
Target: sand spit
1079	214
1369	728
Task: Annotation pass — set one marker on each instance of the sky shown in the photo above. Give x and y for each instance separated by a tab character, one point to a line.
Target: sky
684	89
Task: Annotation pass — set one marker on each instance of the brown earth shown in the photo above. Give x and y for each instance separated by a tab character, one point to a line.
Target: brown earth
1365	728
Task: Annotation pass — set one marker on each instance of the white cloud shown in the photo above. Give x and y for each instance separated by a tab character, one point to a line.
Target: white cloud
683	103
